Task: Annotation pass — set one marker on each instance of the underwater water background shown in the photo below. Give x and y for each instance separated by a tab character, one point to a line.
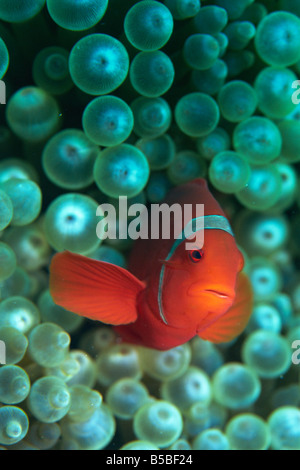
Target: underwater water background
122	97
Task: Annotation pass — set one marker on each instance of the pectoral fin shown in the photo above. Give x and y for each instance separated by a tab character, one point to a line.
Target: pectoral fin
94	289
234	321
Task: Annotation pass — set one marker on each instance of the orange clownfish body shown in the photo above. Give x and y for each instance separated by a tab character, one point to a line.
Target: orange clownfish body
170	294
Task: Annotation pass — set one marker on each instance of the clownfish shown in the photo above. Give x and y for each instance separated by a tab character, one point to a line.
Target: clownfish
169	294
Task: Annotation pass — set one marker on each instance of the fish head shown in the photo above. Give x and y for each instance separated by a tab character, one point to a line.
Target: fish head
199	283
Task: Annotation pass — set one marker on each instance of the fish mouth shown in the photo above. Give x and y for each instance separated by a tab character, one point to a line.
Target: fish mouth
222	295
195	290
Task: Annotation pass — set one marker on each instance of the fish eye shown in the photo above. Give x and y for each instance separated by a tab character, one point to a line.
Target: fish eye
196	255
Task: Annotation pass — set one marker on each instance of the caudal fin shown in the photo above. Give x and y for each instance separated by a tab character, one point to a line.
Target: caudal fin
234	321
94	289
